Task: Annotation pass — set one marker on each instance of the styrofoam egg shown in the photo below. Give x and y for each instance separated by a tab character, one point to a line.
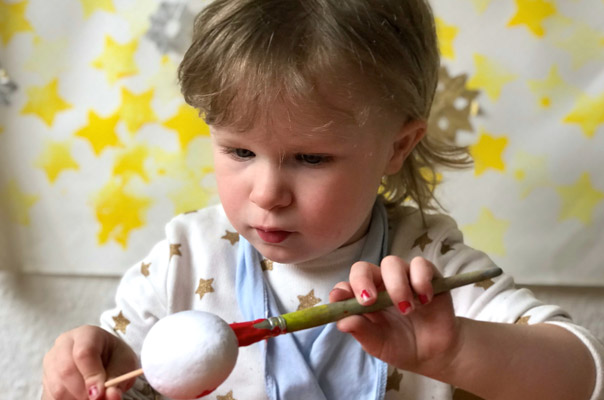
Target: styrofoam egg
189	354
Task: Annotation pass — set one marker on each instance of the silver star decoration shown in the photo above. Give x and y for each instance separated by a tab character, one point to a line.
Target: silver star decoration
7	87
171	27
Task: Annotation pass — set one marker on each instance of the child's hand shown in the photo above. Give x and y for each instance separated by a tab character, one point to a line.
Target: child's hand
80	362
418	334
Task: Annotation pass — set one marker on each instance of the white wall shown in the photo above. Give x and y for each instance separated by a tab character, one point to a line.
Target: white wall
35	309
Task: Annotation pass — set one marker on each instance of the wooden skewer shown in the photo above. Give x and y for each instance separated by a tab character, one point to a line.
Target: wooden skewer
324	314
122	378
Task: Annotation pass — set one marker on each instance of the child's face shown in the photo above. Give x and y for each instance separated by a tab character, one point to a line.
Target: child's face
297	193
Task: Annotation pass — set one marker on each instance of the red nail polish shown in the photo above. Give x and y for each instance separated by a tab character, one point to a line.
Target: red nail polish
365	295
93	392
404	306
423	298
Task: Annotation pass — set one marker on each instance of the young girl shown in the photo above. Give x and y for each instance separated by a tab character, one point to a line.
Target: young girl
315	106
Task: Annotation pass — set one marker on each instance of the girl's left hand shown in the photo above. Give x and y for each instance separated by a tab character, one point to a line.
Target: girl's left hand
419	334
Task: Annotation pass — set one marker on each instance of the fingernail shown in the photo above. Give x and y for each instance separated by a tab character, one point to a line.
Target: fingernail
423	298
404	306
365	296
93	392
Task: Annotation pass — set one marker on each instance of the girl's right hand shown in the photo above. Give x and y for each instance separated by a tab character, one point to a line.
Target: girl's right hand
80	362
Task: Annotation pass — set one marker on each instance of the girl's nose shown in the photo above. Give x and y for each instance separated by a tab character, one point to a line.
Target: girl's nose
270	189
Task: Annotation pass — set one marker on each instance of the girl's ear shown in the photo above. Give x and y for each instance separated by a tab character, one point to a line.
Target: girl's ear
403	143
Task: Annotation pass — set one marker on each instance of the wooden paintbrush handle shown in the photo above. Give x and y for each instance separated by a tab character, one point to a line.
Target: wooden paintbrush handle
324	314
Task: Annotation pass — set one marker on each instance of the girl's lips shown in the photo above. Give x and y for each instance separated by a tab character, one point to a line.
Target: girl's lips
272	236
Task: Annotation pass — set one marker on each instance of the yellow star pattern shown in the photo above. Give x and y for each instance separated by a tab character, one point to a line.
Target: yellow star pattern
228	396
490	76
422	241
17	203
481	5
12	20
530	171
487	233
579	200
56	158
394	380
45	102
164	81
90	6
190	196
550	88
532	13
188	124
48	57
205	286
145	268
117	60
488	153
118	212
232	237
446	35
308	300
132	162
100	132
136	109
121	323
588	113
584	45
175	250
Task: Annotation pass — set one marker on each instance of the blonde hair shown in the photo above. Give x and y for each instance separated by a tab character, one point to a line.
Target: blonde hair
247	54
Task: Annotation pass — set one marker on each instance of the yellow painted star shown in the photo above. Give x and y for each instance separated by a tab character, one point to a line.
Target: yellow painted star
100	132
89	7
12	20
117	60
550	88
17	203
588	112
487	153
394	380
584	45
55	158
579	200
188	124
118	212
136	109
531	172
45	102
138	16
132	162
446	35
490	76
232	237
204	287
308	300
190	196
164	81
487	233
481	5
532	13
121	323
47	58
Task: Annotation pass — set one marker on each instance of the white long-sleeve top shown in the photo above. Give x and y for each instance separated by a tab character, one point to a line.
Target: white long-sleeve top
194	269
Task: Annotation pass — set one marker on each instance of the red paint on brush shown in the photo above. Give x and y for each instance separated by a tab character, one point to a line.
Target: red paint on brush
207	392
248	334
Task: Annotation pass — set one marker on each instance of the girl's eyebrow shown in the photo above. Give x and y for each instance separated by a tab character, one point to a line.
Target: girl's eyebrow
324	127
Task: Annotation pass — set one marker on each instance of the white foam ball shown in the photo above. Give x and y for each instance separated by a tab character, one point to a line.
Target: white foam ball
188	354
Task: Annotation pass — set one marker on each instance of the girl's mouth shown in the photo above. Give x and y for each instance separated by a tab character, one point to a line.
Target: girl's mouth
271	236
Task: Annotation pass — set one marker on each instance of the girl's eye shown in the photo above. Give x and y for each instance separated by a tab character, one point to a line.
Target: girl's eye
243	153
312	159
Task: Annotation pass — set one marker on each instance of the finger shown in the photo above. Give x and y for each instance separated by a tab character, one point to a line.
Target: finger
395	275
63	379
341	291
93	342
113	393
123	360
421	272
364	280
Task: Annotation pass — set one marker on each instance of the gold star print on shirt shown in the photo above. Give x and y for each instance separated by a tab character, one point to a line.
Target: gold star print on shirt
394	380
266	265
175	250
145	268
487	283
205	286
422	241
445	247
523	320
232	237
308	300
228	396
121	323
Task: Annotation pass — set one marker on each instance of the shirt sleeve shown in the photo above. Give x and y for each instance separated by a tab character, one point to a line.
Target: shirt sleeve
498	300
